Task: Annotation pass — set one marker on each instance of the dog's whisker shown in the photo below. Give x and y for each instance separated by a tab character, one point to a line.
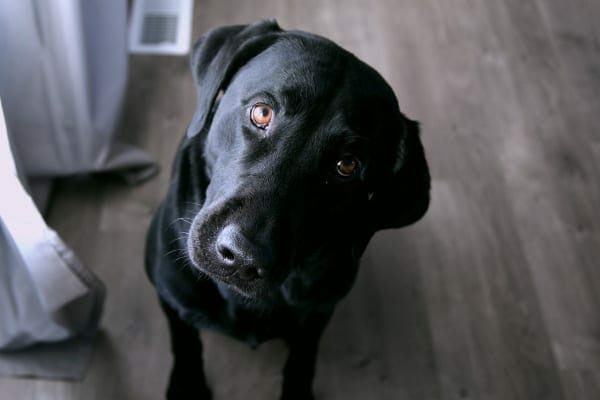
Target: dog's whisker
194	204
187	221
183	237
170	252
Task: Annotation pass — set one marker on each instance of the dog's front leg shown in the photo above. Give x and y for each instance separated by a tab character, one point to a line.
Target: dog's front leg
299	369
187	379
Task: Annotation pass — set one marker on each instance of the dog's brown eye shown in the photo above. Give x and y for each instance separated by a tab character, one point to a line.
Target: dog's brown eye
347	166
261	115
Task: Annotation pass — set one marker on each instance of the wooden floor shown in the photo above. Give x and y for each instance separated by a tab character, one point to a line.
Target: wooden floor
494	295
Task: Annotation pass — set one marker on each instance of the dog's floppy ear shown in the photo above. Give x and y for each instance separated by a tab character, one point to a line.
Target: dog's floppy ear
404	196
217	56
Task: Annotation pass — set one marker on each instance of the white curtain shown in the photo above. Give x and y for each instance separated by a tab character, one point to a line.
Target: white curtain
63	72
46	295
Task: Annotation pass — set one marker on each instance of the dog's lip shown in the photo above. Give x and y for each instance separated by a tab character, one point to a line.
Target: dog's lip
246	288
222	276
230	278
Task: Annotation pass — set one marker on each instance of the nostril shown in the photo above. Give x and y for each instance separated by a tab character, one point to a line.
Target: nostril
226	253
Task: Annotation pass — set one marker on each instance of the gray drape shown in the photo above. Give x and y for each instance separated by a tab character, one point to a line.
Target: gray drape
63	72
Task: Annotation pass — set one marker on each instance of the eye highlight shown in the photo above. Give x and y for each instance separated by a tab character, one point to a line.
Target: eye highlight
261	115
347	166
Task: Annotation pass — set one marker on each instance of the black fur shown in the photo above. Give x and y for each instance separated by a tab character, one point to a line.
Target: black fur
259	235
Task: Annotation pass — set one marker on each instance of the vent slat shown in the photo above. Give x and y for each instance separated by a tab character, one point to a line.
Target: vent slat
160	26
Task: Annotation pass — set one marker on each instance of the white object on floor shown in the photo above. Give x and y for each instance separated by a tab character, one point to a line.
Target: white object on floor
161	27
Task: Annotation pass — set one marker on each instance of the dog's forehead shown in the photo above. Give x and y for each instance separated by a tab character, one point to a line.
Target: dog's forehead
289	64
310	67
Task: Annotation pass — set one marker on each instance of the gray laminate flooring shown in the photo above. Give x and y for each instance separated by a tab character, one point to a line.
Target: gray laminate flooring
495	294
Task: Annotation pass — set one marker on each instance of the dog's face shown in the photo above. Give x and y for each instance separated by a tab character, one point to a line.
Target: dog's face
306	154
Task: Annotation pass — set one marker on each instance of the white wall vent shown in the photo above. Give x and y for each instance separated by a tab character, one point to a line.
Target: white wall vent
161	26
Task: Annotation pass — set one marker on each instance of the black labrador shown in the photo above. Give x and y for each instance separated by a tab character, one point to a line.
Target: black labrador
296	155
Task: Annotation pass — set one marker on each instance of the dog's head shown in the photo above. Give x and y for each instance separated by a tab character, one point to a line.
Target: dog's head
306	155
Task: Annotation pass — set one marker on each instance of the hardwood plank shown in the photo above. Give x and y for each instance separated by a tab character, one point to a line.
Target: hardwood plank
561	230
566	213
501	332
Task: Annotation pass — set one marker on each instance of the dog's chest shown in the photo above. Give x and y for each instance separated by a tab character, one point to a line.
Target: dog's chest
253	326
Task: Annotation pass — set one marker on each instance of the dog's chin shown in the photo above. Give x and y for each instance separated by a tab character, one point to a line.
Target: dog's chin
249	289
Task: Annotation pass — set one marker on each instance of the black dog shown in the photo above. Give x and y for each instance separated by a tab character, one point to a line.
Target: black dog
297	154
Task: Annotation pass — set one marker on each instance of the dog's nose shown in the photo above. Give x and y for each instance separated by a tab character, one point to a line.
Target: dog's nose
237	252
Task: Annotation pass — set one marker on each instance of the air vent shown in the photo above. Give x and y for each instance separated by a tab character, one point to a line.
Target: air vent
160	26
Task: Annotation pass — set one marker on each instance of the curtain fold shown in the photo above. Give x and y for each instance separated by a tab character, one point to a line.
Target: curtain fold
46	295
63	73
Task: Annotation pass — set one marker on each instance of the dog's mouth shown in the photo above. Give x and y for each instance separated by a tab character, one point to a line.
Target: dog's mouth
250	288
